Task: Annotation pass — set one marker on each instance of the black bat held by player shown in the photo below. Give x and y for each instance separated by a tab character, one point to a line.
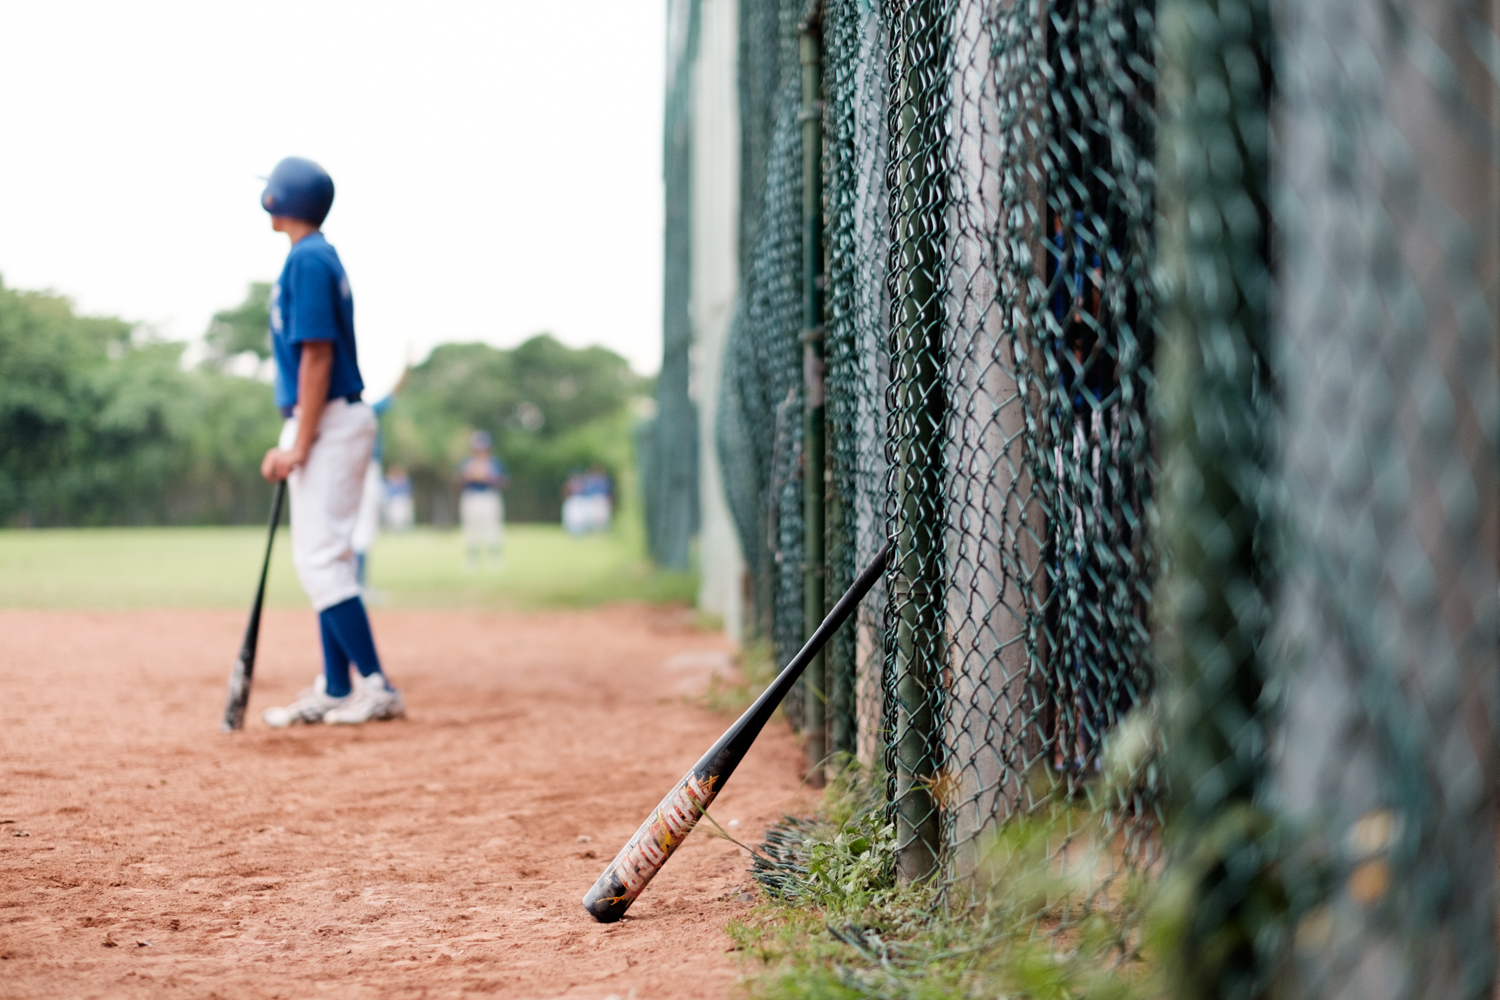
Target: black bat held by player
667	826
244	667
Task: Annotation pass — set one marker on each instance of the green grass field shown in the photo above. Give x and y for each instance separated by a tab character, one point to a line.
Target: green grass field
111	568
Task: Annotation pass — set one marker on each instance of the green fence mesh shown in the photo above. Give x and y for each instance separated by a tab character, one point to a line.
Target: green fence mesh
1388	213
1265	677
1220	416
1019	435
918	282
761	413
858	361
667	445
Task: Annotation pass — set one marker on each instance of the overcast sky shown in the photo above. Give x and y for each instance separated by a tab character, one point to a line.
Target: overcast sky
497	164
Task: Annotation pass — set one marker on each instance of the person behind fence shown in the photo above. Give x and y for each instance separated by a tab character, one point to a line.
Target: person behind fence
1091	699
399	509
481	509
324	450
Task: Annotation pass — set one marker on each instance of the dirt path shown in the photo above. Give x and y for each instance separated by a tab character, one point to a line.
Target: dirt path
443	856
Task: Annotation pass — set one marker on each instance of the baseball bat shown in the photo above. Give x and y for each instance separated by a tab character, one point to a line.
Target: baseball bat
671	821
244	667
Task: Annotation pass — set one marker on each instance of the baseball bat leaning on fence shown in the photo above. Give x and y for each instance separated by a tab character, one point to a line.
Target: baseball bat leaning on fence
244	667
670	823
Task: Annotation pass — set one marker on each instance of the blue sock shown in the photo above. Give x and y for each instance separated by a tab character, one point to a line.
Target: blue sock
350	627
335	660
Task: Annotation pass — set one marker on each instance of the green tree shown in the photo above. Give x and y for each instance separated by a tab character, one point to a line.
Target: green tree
246	327
551	408
48	359
100	424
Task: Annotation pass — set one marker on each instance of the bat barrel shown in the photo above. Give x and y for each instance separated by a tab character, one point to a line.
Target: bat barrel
646	852
670	823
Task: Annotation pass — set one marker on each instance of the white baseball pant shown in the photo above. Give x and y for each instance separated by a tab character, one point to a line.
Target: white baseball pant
367	524
326	491
482	514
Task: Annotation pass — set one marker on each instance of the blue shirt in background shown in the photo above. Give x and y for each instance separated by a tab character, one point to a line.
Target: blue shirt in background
480	475
311	301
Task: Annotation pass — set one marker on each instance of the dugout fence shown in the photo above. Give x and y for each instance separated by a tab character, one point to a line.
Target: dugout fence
666	444
1160	339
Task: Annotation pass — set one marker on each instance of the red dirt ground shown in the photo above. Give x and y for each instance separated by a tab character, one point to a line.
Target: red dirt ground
442	856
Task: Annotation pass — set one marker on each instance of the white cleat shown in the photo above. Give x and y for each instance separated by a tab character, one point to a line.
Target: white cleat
372	699
310	707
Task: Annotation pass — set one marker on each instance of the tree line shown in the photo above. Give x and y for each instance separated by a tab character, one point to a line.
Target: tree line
101	423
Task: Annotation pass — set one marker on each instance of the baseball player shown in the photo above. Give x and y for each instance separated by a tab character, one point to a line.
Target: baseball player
481	509
324	449
400	511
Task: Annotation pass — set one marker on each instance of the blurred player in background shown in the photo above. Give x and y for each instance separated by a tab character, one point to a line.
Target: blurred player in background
481	509
588	502
367	524
324	451
400	508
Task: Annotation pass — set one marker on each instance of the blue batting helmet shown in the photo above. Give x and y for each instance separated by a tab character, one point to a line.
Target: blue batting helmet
299	189
481	440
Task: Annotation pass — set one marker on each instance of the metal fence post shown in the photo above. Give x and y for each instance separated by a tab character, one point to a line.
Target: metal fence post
918	405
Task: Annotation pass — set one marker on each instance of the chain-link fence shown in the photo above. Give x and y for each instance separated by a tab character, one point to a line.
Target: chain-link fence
857	356
667	444
760	418
1386	336
1240	619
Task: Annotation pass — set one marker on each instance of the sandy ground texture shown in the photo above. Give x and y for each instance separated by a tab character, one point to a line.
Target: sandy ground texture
143	853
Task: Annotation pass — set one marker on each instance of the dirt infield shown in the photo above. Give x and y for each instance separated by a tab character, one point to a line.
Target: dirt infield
143	853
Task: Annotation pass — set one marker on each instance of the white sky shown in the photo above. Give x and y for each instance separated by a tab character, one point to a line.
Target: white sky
497	164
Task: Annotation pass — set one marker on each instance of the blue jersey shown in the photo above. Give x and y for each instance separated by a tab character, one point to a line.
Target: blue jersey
311	301
480	475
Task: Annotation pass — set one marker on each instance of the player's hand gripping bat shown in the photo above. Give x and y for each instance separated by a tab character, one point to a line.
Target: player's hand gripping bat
244	667
679	812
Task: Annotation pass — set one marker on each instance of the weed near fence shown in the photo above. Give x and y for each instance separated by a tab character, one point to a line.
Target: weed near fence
1046	918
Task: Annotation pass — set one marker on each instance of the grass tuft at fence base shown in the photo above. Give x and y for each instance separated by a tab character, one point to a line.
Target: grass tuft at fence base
1048	913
